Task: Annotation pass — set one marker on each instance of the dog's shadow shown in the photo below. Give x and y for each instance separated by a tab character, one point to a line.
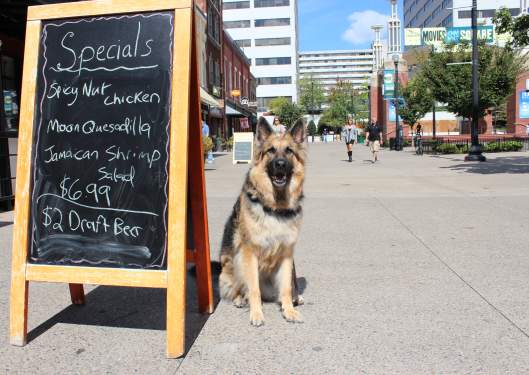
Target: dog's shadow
216	268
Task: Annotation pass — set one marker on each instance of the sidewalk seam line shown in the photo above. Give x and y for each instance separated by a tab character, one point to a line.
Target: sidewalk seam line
451	269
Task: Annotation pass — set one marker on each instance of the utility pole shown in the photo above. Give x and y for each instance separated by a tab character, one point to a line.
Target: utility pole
475	151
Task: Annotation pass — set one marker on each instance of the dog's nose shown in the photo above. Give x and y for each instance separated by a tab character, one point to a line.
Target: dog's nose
280	163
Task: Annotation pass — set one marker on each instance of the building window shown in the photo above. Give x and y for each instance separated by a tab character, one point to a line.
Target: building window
236	5
273	61
236	24
272	22
244	42
272	42
274	80
271	3
447	21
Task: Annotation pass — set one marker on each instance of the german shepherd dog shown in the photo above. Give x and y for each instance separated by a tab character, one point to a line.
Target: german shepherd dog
259	237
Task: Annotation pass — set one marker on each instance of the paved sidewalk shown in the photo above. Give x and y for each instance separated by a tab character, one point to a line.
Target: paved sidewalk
412	265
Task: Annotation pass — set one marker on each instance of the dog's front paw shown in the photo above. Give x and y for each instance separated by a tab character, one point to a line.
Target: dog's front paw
256	318
292	315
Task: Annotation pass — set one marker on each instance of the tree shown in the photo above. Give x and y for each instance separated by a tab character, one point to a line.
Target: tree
344	100
312	128
287	112
312	95
516	27
452	84
418	100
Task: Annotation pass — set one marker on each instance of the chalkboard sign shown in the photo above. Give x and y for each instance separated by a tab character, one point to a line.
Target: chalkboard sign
110	173
100	177
242	147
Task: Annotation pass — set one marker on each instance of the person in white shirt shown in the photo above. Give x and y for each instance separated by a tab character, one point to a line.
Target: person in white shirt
350	136
278	127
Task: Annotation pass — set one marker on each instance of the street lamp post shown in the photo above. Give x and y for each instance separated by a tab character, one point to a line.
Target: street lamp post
398	140
368	104
312	98
475	151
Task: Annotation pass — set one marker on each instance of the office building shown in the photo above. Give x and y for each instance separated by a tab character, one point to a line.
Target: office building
330	66
428	13
267	31
455	13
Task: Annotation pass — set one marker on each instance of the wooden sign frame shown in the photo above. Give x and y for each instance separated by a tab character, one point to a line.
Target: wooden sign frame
240	137
183	160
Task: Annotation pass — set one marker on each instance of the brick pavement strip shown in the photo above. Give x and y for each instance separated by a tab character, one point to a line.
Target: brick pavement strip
413	265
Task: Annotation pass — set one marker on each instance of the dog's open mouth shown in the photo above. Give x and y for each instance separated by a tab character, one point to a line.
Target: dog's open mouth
279	180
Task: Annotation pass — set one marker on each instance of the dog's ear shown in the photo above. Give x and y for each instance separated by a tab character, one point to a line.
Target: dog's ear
263	131
298	131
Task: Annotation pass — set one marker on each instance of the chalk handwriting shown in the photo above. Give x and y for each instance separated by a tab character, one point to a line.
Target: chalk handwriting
104	53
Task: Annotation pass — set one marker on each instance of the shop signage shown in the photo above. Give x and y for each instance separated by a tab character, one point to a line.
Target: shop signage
464	34
242	147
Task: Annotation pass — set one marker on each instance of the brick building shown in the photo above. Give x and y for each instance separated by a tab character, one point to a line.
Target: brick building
239	87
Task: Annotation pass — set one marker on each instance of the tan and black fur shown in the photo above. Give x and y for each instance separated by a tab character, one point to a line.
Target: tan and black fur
259	237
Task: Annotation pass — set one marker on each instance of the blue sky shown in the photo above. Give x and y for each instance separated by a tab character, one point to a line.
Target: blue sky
340	24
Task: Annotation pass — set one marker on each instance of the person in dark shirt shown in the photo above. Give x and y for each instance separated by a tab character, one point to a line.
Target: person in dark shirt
374	139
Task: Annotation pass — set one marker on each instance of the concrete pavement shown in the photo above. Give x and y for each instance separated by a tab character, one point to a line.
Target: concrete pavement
412	265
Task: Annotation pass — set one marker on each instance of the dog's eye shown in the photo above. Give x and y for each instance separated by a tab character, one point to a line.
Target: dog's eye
271	150
288	150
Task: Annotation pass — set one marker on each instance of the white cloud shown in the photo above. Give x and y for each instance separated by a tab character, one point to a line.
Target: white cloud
359	32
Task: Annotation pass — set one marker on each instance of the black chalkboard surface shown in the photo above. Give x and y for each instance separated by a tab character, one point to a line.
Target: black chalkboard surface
101	142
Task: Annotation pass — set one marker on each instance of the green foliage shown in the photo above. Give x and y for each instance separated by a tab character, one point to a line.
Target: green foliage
312	95
452	148
208	144
277	103
516	27
312	128
343	101
228	144
418	100
503	146
288	112
447	148
452	84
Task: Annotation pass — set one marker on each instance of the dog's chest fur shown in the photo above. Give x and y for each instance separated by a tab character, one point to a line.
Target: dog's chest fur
270	231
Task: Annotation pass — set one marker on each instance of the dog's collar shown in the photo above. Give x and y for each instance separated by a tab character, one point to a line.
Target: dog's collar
285	213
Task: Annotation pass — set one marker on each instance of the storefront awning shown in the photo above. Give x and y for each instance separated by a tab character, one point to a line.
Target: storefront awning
232	111
208	99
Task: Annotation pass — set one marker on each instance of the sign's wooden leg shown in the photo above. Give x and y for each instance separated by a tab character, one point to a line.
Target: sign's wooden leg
77	294
19	311
176	301
197	190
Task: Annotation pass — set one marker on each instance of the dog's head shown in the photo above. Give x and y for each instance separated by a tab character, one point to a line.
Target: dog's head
280	158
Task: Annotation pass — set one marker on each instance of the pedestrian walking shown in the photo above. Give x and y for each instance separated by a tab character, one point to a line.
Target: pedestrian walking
374	139
350	136
324	135
278	127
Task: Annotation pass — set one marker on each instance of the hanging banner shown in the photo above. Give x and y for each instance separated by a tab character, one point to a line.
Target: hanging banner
389	83
392	113
412	37
464	34
433	36
524	104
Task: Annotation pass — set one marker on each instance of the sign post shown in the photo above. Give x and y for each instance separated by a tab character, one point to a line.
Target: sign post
110	152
